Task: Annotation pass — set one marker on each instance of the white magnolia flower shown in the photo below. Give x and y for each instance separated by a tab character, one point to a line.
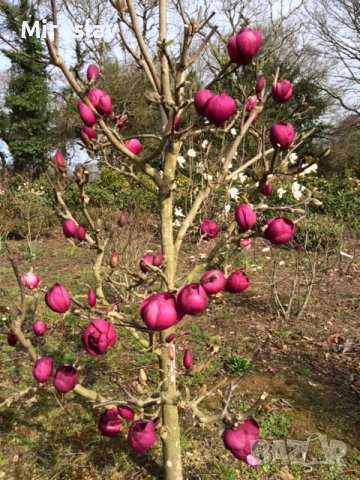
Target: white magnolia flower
233	131
281	263
227	209
264	206
297	190
293	158
181	161
229	166
281	192
204	144
208	177
191	153
178	212
235	154
234	193
200	167
312	168
161	174
242	178
177	223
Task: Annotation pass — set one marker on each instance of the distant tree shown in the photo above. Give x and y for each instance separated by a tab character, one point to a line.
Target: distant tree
25	124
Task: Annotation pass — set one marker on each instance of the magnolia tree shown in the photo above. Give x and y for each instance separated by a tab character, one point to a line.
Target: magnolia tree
193	118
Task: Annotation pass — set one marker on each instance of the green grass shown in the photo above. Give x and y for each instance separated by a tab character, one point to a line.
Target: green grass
236	364
274	425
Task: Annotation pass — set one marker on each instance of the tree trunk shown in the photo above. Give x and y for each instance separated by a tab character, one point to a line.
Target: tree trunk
170	435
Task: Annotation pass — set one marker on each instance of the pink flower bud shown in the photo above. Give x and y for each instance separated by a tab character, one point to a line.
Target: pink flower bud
59	161
134	146
242	440
57	298
260	84
105	105
282	91
98	337
170	337
142	435
155	260
250	103
69	228
187	361
279	230
213	281
237	282
113	260
176	123
110	423
200	99
11	339
86	115
160	311
219	108
39	327
30	280
125	412
94	96
267	189
243	47
191	298
92	72
282	135
209	229
65	378
91	298
91	133
245	217
81	232
244	243
86	140
42	369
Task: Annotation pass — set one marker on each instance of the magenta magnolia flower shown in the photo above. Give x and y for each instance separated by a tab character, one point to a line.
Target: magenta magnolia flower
260	84
134	146
92	72
155	260
105	105
209	229
160	311
279	230
243	46
142	435
200	99
187	361
65	378
237	282
250	103
245	217
219	108
42	369
267	189
11	339
242	441
98	337
81	232
245	243
59	161
30	280
91	298
94	96
39	327
282	135
110	423
113	260
191	298
86	115
125	412
69	228
282	91
57	298
213	281
91	133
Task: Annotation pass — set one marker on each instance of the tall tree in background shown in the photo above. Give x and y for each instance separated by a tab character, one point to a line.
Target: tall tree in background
26	124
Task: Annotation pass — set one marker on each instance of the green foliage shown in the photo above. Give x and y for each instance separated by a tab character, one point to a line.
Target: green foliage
26	127
274	425
318	231
237	364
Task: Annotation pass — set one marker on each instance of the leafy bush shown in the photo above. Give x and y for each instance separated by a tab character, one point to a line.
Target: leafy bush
318	231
